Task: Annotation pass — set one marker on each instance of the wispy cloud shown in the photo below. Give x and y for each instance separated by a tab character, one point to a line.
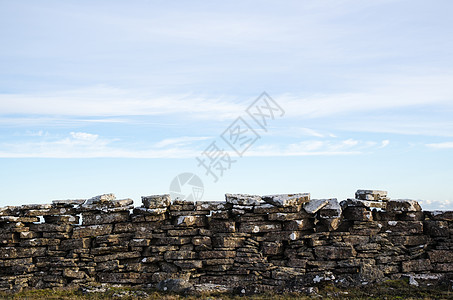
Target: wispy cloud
403	91
444	145
89	145
180	141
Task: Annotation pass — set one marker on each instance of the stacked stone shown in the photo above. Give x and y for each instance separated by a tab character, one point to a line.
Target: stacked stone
33	249
105	254
251	243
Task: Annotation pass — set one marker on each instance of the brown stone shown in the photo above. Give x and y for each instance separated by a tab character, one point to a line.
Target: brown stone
222	226
441	256
217	254
91	231
416	265
333	252
258	227
104	218
304	224
179	255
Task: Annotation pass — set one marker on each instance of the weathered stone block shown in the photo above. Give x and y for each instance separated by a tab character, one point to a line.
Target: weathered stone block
403	205
357	214
371	195
436	228
243	199
362	203
441	256
331	210
272	248
328	224
201	241
122	278
287	200
91	231
62	219
444	267
43	227
314	205
217	254
69	202
304	224
189	221
149	211
222	226
104	218
411	216
100	199
288	216
183	232
416	265
219	241
179	255
156	201
412	227
211	205
115	256
259	227
72	244
189	264
438	215
333	252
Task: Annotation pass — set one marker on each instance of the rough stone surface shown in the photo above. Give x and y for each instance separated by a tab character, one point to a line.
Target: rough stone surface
287	200
400	205
314	205
156	201
373	195
242	199
285	244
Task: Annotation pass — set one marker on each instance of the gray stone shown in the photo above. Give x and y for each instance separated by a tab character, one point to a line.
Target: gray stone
100	199
69	202
174	285
403	205
439	215
362	203
314	205
243	199
156	201
331	210
286	200
371	195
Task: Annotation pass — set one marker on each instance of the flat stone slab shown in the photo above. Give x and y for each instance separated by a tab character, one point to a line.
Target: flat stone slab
331	210
69	202
100	199
403	205
439	215
371	195
362	203
314	205
243	199
156	201
287	200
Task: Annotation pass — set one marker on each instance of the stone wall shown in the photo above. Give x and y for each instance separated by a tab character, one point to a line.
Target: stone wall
251	243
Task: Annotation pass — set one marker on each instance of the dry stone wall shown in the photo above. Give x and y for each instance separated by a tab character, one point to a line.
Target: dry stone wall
251	243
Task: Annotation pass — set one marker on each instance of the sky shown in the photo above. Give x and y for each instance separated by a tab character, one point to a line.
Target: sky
125	96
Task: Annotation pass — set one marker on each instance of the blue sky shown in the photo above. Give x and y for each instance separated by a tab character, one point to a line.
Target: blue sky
115	96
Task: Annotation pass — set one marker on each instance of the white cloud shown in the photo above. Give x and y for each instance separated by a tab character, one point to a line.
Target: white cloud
445	145
89	145
384	143
180	141
395	92
83	136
